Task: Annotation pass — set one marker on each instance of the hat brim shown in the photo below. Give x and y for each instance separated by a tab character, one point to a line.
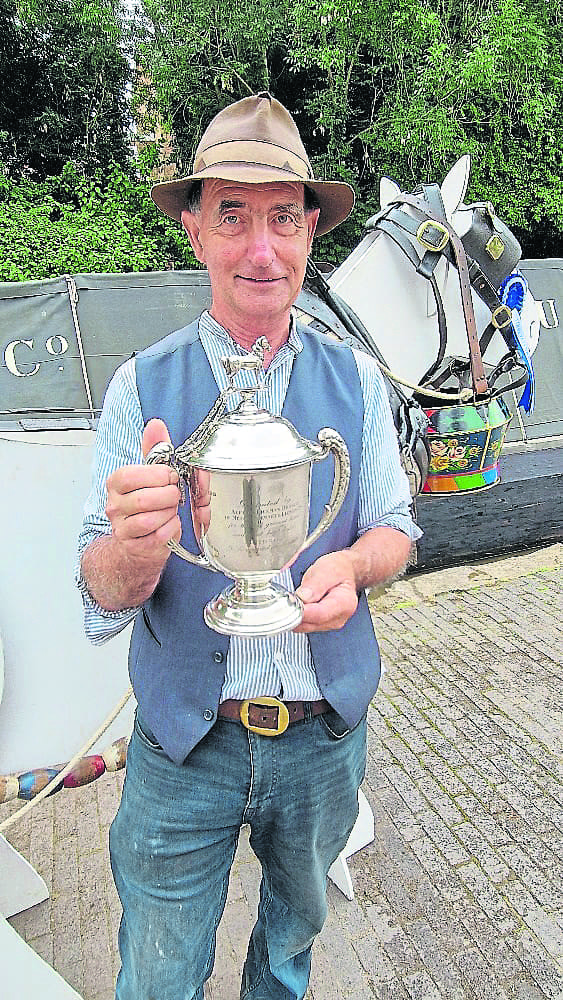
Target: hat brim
336	198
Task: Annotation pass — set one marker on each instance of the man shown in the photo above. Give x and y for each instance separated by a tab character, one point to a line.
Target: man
195	771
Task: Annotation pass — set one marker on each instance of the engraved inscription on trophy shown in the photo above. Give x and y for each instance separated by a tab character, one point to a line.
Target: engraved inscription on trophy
275	522
254	519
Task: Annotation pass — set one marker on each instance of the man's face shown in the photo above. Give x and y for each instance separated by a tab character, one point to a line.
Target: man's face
254	239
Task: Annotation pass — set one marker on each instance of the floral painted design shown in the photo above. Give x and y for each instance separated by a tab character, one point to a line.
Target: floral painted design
495	447
454	454
466	440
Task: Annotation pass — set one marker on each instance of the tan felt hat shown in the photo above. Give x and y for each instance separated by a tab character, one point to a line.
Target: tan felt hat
256	141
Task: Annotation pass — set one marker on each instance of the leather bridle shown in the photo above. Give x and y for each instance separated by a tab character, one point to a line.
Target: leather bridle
433	232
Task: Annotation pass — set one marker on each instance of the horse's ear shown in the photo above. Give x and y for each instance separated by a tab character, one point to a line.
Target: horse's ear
455	183
387	191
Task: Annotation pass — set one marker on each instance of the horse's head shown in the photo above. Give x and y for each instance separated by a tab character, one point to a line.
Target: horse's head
452	190
430	291
401	282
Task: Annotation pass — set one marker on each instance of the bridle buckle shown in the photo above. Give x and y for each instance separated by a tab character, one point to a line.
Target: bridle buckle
502	310
432	224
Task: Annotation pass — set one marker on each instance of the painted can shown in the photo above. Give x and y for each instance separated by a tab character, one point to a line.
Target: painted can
465	445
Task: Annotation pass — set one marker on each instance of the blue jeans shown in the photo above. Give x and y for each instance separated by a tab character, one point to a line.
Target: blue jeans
174	838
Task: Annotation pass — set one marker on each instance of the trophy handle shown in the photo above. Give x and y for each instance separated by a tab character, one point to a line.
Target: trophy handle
331	441
164	453
200	561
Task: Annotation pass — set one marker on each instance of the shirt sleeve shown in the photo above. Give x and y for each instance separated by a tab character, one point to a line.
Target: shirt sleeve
118	442
384	490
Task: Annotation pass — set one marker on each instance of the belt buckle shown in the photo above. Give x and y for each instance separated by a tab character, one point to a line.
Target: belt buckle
432	225
283	715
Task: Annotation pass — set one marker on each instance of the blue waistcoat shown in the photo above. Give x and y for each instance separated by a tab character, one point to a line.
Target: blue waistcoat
176	663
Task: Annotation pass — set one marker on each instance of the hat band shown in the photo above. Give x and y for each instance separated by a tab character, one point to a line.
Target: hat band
252	152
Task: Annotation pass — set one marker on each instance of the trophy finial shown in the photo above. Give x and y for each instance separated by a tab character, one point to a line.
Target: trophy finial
253	361
260	347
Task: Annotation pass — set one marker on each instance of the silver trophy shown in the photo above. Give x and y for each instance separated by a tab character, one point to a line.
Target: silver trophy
249	480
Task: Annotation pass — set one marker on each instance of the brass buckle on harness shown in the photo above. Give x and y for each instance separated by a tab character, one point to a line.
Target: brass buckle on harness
438	228
495	320
282	719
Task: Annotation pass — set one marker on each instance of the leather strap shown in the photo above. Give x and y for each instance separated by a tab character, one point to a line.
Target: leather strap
266	716
394	230
477	367
502	315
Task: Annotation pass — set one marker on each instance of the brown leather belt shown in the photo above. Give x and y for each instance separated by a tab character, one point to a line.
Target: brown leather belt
270	716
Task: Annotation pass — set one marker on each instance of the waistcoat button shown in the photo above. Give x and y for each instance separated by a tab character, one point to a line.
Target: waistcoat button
218	656
208	715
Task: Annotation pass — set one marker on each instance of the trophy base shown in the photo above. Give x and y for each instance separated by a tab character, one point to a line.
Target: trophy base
253	611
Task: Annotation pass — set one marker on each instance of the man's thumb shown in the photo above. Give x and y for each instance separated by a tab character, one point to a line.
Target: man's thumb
155	432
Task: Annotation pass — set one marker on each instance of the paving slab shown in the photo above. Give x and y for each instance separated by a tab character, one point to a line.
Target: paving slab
460	896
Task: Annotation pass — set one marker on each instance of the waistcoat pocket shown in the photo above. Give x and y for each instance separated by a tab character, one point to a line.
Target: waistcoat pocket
147	622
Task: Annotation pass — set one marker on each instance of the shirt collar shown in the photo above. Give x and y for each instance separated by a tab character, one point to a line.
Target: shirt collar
210	326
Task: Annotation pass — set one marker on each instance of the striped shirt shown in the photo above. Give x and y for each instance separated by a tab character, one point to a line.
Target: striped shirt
279	664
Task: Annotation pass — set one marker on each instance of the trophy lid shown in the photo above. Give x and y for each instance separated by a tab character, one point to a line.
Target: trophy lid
252	439
249	439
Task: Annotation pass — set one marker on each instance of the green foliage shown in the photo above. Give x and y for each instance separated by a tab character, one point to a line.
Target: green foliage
73	223
199	57
63	75
397	87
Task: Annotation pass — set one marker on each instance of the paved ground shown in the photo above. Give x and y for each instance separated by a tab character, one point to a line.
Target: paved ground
460	897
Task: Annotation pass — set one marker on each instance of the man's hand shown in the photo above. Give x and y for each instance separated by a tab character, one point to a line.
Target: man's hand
143	502
123	569
330	587
328	591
